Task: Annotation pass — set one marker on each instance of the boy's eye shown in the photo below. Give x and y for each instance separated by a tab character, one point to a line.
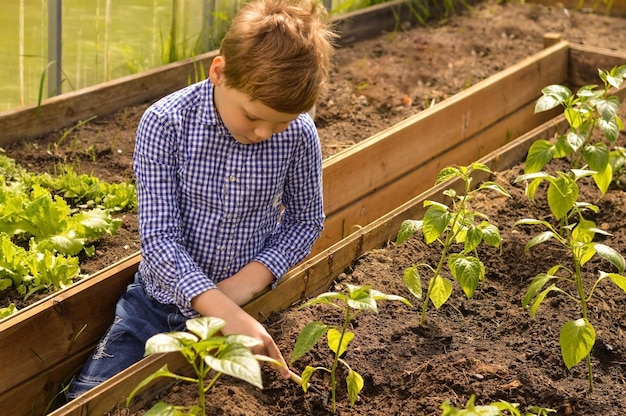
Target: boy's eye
250	118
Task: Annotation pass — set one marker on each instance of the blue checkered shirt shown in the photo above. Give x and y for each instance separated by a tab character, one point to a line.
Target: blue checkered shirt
208	205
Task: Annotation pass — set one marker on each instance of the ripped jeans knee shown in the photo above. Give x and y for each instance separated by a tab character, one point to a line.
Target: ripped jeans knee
137	318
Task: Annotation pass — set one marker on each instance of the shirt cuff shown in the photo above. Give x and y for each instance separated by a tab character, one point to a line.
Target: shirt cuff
275	261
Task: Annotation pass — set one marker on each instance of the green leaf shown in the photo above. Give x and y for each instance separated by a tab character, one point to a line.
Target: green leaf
539	154
205	327
553	95
575	142
610	129
162	372
540	298
618	279
441	291
360	298
376	295
244	340
604	178
473	238
237	361
539	238
613	256
446	173
532	221
468	271
407	229
532	176
584	231
608	107
493	187
308	338
173	341
597	156
355	384
436	220
562	195
535	286
412	281
583	253
576	340
324	298
306	376
334	337
67	242
480	166
576	116
491	234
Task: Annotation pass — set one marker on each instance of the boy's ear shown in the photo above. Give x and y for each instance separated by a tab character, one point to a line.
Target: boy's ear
216	71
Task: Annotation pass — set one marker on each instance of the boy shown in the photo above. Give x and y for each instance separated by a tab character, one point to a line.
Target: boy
229	185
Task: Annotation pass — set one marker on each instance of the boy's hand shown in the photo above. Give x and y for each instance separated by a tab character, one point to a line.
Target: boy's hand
218	304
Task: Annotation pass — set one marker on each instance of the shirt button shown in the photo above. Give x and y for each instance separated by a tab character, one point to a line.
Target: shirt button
229	215
232	178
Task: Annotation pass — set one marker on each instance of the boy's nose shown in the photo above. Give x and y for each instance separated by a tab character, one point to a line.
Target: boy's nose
263	132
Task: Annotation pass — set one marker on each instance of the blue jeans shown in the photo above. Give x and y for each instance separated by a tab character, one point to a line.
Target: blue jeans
137	318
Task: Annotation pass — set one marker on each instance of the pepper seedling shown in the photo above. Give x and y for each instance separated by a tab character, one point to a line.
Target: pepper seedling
570	229
205	350
356	300
450	225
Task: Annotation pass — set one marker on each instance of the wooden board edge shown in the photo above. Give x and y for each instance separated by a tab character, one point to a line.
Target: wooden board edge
69	326
584	62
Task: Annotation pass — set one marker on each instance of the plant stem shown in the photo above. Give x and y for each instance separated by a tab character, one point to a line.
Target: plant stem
583	303
444	254
333	370
201	372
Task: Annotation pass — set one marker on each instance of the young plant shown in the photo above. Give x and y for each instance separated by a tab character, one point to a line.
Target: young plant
494	409
205	351
590	110
575	233
356	300
452	225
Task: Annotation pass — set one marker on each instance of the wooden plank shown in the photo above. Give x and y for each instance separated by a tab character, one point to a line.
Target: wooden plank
390	154
617	8
112	393
102	99
72	321
586	60
41	391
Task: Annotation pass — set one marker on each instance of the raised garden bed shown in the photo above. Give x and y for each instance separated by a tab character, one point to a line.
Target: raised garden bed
86	307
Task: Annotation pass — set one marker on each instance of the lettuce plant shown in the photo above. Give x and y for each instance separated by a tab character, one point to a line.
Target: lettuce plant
47	221
452	225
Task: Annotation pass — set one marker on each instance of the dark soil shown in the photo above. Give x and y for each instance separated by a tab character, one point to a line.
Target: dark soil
488	345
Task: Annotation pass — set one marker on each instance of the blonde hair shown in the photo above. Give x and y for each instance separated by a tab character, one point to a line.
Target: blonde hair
279	52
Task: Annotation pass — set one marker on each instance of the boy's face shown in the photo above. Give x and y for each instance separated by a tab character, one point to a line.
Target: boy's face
248	121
